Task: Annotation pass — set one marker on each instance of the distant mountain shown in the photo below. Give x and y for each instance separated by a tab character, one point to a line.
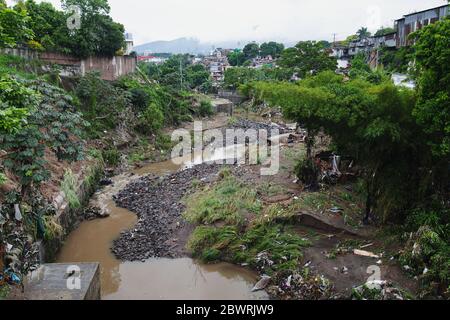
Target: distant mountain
186	45
182	45
189	45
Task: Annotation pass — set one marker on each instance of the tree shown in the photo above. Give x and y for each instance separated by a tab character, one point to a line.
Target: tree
373	124
236	58
384	31
251	51
271	48
432	53
307	57
13	27
98	34
363	32
47	24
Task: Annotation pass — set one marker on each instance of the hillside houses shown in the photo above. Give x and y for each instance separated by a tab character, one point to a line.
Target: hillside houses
217	63
415	21
397	39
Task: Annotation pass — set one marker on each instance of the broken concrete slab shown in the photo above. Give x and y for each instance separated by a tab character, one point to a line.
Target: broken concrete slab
321	222
64	281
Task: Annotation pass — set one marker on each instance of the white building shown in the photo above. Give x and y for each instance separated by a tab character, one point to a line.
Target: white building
129	44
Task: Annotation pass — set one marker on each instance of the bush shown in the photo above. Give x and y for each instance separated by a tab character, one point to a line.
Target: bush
111	156
205	109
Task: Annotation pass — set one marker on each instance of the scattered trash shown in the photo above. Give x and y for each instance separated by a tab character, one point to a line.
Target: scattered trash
288	282
307	264
17	213
263	260
425	271
262	284
344	270
378	290
303	285
380	262
365	254
336	210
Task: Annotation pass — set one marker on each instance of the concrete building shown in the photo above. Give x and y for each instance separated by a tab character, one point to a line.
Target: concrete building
129	43
415	21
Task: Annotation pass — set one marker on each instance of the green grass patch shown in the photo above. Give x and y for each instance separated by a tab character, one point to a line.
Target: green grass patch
260	243
69	186
228	201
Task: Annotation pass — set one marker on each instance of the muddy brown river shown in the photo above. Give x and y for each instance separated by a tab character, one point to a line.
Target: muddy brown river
155	278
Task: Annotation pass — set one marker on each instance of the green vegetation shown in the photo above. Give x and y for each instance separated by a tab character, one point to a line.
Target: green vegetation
396	60
378	124
228	202
69	186
179	73
253	50
205	109
384	31
40	26
307	57
238	76
223	212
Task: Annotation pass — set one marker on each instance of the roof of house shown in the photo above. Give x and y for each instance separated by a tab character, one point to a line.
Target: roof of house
413	13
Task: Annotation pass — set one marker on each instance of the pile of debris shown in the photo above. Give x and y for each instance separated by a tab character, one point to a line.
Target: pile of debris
334	168
92	213
378	290
300	285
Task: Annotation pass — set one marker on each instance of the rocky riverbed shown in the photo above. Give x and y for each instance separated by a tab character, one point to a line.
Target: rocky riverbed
160	231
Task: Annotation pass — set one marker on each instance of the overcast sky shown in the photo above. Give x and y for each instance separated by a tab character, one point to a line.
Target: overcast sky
282	20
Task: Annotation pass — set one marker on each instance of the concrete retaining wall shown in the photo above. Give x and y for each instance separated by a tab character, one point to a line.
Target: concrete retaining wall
233	96
109	68
69	218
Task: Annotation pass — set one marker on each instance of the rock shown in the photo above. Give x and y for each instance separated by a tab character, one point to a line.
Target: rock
157	203
105	182
262	284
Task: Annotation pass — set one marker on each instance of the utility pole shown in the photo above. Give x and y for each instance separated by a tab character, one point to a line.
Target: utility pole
181	74
334	39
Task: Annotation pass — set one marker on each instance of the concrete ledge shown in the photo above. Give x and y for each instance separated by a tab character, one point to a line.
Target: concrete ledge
323	223
53	282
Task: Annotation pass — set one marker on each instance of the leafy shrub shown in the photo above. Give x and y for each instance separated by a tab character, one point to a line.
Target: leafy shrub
111	156
205	109
3	179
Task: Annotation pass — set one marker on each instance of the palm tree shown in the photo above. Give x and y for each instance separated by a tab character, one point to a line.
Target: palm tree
363	33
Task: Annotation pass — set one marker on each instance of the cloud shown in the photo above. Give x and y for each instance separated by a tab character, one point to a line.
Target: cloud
283	20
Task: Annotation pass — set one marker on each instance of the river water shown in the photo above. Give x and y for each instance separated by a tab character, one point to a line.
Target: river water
155	278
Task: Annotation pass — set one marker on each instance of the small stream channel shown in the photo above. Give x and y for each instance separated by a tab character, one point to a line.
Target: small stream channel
155	278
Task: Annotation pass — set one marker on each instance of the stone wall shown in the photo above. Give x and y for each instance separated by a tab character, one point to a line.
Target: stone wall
69	218
233	96
110	68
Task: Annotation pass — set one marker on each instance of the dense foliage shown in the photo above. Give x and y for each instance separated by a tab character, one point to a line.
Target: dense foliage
307	57
43	117
179	73
41	26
